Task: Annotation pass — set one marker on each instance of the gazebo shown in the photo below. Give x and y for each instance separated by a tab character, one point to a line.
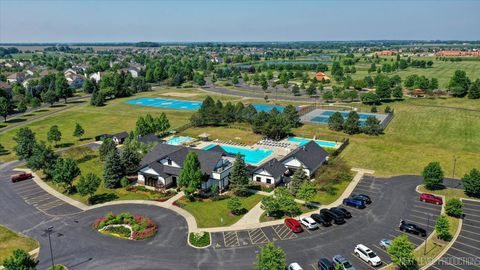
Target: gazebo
204	136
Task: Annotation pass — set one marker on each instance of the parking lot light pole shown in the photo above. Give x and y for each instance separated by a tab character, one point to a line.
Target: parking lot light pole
49	231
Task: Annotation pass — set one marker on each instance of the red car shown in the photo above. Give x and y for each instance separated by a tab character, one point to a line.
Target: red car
294	225
20	177
425	197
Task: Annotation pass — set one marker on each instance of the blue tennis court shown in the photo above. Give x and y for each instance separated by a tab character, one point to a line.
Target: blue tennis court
166	103
320	116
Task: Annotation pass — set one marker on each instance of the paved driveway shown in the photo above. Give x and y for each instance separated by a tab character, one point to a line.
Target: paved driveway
465	252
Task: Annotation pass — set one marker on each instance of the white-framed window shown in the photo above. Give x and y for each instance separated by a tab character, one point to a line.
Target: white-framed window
258	179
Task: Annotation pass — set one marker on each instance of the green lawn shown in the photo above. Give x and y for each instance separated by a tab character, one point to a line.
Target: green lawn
210	213
324	198
10	240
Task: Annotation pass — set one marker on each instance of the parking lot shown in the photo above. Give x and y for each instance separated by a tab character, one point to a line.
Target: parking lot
465	251
35	196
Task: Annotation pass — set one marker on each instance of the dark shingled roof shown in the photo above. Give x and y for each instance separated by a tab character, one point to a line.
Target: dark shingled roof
273	167
310	154
149	138
218	148
121	136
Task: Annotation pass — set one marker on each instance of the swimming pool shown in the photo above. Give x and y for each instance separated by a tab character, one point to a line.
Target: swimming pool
304	141
188	105
252	156
178	140
166	103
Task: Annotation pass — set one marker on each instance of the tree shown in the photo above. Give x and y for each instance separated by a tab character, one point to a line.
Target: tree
54	134
239	179
78	132
191	175
442	228
130	160
372	126
20	260
459	83
113	170
383	87
234	205
471	183
25	139
336	121
97	99
292	116
397	92
352	124
22	106
35	102
107	146
43	157
374	109
4	108
65	171
270	257
88	185
307	191
298	178
49	97
370	98
474	90
454	208
433	176
62	89
401	252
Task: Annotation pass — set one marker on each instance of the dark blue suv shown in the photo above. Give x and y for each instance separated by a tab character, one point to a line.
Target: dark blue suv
360	204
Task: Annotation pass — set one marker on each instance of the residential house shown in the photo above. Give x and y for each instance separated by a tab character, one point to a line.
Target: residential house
162	166
320	76
16	77
311	156
74	80
270	173
96	76
119	138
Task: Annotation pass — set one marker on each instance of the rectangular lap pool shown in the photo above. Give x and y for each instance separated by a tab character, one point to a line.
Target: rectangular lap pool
319	116
188	105
303	141
178	140
252	156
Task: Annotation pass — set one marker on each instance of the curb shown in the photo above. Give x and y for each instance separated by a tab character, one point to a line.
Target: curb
207	246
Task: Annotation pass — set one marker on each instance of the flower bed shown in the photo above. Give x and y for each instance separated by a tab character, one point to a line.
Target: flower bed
199	239
126	225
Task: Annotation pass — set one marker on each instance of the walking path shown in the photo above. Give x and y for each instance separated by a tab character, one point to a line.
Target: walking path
248	221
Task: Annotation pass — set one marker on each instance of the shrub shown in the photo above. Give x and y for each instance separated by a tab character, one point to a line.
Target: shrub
142	227
124	182
454	208
442	228
199	239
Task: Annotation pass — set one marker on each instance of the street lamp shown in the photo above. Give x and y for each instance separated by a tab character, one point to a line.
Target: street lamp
48	231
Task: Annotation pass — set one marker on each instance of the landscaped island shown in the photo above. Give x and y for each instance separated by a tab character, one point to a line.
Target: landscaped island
126	225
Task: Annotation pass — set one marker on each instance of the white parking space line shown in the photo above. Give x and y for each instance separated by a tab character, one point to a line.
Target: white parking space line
463	251
412	235
433	266
368	186
48	206
423	206
38	198
53	206
313	266
470	246
365	190
283	232
469	214
31	191
359	259
468	225
461	259
33	194
445	262
463	230
381	250
471	209
476	240
230	239
257	236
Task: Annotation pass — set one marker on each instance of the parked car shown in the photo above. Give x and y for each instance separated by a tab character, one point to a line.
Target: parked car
367	255
325	264
337	218
385	243
430	198
294	266
294	225
354	203
339	259
322	219
20	177
412	228
341	211
365	198
309	223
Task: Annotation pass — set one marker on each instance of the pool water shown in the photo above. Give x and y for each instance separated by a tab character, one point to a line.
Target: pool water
304	141
252	156
166	103
188	105
179	140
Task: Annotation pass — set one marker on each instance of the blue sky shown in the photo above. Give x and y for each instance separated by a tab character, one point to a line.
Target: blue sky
241	20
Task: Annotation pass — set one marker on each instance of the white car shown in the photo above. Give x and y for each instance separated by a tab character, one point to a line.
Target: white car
367	255
294	266
309	223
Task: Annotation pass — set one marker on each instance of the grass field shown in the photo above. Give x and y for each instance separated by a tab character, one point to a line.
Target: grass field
216	213
10	240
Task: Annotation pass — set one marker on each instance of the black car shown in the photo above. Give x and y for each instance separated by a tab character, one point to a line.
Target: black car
322	219
325	264
412	228
362	197
341	211
337	218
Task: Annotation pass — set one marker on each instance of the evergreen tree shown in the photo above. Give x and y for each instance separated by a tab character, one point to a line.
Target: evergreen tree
97	99
298	178
130	160
65	171
25	139
372	126
20	260
79	131
191	175
270	257
336	121
471	183
54	134
239	179
88	185
292	116
433	176
459	83
352	124
474	90
4	108
43	157
107	146
113	170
